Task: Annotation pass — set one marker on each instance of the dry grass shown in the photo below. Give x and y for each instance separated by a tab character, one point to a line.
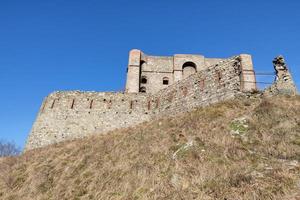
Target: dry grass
240	149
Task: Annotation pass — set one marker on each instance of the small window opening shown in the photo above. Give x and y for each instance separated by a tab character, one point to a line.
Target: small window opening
131	104
73	102
142	63
144	79
165	81
109	104
91	104
219	76
143	89
52	106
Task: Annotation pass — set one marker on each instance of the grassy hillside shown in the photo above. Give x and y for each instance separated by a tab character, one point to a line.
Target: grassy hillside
240	149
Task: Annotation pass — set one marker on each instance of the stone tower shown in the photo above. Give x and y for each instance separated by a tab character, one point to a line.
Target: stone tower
149	74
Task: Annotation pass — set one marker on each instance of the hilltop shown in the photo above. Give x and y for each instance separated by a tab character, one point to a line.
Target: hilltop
246	148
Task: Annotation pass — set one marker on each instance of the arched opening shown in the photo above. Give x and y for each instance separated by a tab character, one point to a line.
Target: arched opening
143	79
165	81
188	69
142	64
142	89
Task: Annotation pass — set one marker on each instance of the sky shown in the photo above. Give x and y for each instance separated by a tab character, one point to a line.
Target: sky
47	46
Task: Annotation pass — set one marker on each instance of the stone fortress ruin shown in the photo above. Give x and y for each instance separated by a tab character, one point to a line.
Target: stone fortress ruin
149	74
156	86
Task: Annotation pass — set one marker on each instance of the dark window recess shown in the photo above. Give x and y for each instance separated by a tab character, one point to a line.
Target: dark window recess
218	76
53	103
73	102
143	89
109	104
91	104
131	104
165	81
144	80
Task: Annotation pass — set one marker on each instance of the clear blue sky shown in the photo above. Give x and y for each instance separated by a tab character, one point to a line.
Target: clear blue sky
55	45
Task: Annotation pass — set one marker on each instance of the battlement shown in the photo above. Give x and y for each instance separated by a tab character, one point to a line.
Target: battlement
79	101
73	114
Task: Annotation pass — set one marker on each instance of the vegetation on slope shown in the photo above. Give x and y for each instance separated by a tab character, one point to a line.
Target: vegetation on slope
239	149
8	149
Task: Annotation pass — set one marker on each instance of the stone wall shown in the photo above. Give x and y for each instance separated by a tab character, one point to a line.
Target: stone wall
74	114
216	83
175	68
283	83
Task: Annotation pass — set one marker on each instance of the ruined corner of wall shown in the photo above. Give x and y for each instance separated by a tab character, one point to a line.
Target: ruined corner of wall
283	83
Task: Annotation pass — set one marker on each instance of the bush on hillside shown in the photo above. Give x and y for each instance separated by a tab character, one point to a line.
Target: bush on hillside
8	149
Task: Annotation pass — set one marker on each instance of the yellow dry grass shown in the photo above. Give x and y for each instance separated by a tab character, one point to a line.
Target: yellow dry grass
239	149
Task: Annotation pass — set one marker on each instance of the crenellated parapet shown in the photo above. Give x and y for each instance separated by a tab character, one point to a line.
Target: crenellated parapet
74	114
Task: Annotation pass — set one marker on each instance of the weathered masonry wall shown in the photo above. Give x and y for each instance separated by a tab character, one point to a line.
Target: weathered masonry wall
68	115
151	74
74	114
217	83
283	83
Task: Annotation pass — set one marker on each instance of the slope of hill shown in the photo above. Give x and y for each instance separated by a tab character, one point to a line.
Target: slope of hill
247	148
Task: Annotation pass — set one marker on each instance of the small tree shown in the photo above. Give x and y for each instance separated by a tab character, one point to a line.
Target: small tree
8	149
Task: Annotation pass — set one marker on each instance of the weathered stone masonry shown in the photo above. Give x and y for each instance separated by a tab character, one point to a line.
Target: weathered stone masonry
217	83
153	73
284	83
75	114
173	85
